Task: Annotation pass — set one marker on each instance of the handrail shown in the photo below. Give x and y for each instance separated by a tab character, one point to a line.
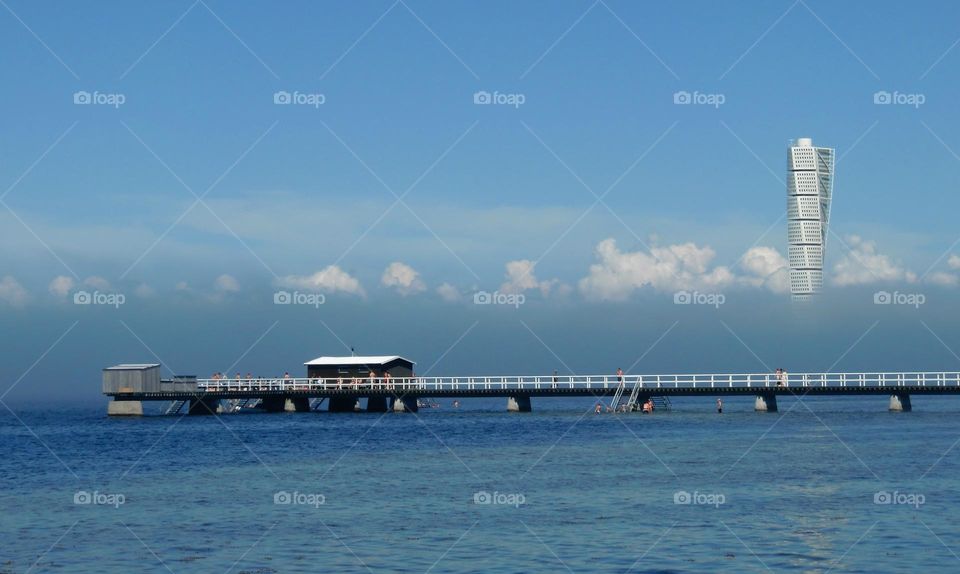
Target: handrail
587	382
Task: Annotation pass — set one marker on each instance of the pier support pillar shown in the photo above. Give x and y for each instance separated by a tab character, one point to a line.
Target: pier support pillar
341	404
405	404
204	407
518	404
297	405
766	402
900	403
117	408
376	404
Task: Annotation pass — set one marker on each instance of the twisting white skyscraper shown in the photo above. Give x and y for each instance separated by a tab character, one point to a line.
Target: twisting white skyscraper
809	190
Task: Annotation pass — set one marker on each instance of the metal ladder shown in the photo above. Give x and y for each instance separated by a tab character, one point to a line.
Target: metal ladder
618	395
661	402
174	407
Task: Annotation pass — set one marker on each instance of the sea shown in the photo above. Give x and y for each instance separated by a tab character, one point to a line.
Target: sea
827	484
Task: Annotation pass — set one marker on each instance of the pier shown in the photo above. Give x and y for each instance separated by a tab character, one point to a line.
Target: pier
625	393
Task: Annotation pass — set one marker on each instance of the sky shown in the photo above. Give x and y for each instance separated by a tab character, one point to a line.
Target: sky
222	186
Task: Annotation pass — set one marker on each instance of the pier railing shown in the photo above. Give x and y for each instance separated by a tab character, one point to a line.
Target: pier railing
534	383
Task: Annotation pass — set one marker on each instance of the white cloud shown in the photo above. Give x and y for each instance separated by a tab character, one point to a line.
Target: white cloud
954	262
403	278
520	278
683	266
61	286
943	278
98	283
12	292
449	293
862	265
144	291
226	284
330	279
766	267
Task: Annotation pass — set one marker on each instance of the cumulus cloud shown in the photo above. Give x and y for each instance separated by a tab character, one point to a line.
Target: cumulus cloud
98	283
330	279
766	267
953	262
943	278
144	291
520	278
12	292
226	284
449	293
403	278
862	264
61	286
619	273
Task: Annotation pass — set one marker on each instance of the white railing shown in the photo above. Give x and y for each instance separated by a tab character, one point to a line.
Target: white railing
588	382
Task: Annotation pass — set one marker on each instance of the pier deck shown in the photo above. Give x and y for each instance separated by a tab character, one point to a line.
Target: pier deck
765	386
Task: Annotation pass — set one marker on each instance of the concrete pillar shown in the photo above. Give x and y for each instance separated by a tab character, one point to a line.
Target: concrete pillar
518	403
297	405
376	404
900	402
405	404
767	402
204	406
117	408
341	404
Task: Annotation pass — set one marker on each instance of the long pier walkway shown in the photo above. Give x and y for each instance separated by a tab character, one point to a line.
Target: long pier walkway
626	391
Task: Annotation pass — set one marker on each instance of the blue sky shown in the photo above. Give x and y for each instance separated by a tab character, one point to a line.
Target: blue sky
297	197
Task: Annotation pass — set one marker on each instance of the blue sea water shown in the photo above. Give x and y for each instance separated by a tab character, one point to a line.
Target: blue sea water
829	484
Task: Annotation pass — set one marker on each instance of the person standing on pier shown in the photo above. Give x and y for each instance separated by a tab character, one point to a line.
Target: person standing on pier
619	375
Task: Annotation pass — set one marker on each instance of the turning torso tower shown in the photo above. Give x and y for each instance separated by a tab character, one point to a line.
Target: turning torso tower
809	190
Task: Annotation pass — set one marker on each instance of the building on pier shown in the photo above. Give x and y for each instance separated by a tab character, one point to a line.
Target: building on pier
358	367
